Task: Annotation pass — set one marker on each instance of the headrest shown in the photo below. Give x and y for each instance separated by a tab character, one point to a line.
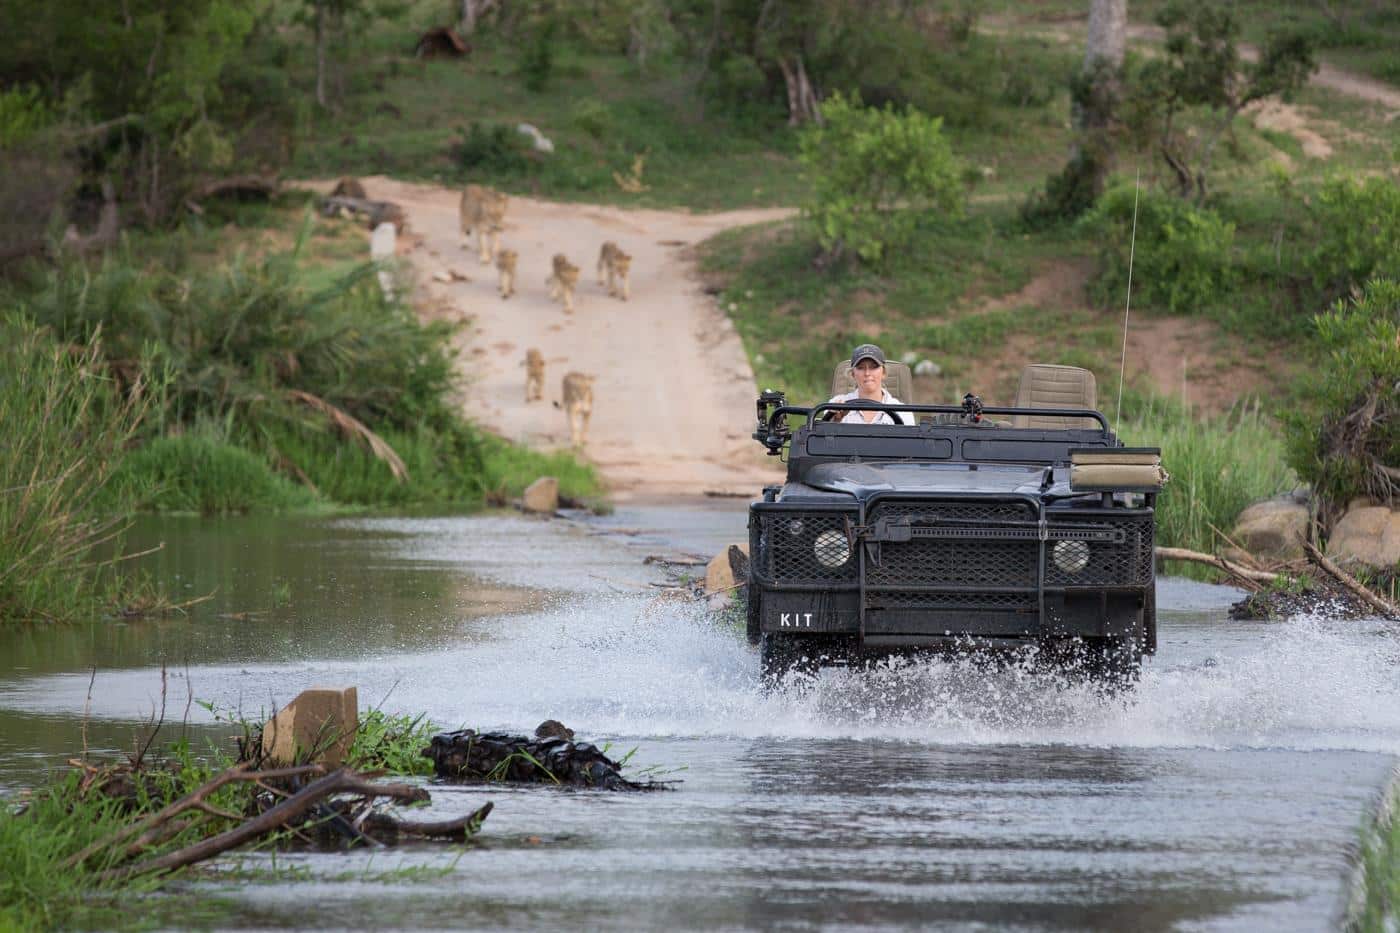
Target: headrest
1044	385
899	381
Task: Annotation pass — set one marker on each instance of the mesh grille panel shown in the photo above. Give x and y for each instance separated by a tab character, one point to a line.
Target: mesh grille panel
1126	563
954	562
805	547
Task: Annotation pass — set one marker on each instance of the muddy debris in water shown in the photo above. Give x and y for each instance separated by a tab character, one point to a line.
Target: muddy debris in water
1319	597
548	757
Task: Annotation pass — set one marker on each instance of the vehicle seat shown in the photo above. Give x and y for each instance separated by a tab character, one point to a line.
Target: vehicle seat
899	381
1044	385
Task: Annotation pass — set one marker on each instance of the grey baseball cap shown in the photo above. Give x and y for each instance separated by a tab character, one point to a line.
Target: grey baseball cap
867	351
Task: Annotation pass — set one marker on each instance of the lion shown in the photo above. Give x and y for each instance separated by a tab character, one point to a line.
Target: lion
617	264
505	265
484	211
562	281
578	404
534	375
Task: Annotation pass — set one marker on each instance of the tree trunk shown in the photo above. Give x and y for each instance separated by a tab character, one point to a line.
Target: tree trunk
803	106
321	54
472	12
1101	74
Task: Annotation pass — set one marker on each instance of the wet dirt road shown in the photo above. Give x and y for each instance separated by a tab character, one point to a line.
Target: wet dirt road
1225	793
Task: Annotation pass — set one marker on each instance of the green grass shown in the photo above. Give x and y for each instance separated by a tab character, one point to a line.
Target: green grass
200	472
1218	466
1380	863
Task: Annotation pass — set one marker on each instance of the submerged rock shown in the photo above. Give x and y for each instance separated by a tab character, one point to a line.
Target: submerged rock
468	755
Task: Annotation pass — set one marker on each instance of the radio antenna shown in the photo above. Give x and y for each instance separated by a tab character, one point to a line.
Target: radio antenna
1128	302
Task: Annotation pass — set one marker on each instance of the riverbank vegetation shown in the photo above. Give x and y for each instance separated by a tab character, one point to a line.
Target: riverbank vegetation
45	884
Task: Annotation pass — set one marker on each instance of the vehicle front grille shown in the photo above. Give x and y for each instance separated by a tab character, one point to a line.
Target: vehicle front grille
952	561
967	602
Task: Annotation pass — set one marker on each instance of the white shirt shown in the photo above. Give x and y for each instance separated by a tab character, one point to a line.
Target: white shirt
857	417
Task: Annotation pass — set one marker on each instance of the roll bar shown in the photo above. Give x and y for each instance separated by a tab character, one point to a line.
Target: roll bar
772	436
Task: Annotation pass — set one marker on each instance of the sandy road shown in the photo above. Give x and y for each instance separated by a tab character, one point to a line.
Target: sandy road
674	394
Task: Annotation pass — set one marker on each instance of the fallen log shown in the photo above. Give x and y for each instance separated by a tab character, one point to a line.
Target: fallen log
1230	567
457	829
279	816
1353	585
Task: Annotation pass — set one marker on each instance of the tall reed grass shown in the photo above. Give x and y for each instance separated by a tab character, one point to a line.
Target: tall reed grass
65	426
1218	467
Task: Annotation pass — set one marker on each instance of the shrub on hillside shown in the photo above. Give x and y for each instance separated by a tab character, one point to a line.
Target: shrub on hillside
1344	429
1182	257
1357	234
873	171
493	147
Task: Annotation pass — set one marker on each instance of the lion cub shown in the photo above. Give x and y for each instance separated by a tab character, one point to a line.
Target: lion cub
617	264
534	375
484	211
578	404
562	281
505	265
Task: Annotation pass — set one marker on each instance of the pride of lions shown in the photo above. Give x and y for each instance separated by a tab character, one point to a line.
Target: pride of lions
482	211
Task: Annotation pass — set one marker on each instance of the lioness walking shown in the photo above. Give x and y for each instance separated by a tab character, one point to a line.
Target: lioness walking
534	375
562	281
616	264
484	211
578	405
505	265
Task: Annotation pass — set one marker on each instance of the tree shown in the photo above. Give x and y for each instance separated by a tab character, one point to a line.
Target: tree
1098	91
1095	94
872	171
1200	73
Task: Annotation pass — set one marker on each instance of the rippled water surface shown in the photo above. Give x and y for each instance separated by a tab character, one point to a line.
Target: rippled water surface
1223	793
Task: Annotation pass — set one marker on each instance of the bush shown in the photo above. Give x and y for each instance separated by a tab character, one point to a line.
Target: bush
1357	232
872	171
65	427
1344	429
200	472
1182	258
492	148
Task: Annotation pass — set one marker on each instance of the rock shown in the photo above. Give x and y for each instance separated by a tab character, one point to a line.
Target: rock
554	729
927	368
541	496
1369	536
319	725
721	574
1270	530
349	187
383	244
468	755
540	141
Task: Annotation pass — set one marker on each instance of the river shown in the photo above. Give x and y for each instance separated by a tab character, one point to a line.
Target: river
1225	792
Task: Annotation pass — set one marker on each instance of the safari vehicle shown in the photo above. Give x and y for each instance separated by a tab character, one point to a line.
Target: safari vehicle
958	531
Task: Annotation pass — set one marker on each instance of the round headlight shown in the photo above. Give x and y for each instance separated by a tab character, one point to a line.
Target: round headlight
1070	556
832	549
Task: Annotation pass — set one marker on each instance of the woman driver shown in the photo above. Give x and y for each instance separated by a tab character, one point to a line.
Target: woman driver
868	370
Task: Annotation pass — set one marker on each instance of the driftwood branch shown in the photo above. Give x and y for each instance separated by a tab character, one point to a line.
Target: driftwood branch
1366	595
337	782
1230	567
193	800
457	829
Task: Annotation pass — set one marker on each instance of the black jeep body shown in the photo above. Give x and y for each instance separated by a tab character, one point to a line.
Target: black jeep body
947	535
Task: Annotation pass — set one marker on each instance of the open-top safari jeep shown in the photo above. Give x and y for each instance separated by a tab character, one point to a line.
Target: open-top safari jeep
954	530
